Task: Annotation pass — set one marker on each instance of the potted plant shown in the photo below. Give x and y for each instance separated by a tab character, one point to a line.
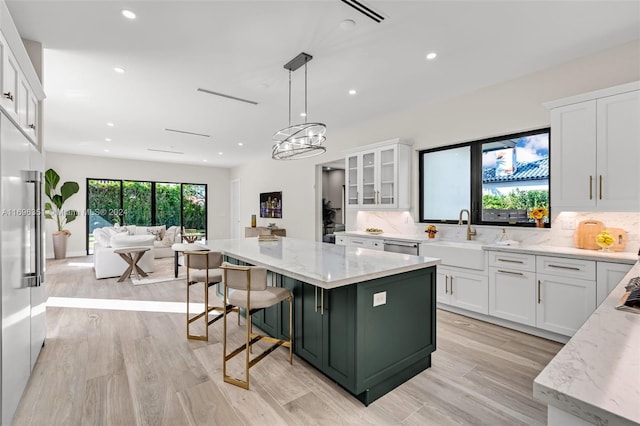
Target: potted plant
53	210
328	213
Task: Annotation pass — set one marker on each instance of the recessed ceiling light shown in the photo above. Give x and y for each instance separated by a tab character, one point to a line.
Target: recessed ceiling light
204	161
431	56
303	114
328	168
347	24
106	150
107	139
128	14
110	124
352	92
119	70
240	144
220	153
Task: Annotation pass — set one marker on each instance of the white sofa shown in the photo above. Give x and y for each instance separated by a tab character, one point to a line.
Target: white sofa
164	237
109	264
105	240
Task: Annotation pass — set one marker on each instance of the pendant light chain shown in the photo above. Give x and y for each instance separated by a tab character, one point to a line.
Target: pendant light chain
289	98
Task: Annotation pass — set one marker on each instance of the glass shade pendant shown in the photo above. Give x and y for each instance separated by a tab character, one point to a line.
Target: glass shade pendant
299	140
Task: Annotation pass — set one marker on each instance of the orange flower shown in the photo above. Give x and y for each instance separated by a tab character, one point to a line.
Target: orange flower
538	213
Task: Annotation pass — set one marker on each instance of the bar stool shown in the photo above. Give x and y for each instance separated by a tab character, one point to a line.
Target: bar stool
203	267
250	291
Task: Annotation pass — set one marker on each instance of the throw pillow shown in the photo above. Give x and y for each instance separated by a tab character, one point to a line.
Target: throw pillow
170	236
157	231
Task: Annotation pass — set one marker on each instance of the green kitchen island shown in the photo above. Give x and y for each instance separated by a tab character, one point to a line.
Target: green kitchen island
365	318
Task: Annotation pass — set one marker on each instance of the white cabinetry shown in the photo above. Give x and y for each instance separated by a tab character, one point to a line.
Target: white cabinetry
463	288
608	276
379	176
566	293
342	240
9	97
550	293
368	243
512	287
595	151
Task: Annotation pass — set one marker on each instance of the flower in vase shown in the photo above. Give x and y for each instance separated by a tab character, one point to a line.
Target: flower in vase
538	213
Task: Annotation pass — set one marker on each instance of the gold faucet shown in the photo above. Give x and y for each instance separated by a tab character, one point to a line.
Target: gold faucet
470	231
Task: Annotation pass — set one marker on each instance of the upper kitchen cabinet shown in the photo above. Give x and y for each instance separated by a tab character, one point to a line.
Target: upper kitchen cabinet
20	87
595	150
379	176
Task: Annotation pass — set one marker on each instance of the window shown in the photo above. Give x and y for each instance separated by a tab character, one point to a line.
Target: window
500	180
145	203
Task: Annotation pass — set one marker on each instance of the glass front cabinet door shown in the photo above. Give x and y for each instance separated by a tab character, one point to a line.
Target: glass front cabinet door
379	178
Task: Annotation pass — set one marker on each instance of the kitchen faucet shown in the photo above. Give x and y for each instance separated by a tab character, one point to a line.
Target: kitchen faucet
470	231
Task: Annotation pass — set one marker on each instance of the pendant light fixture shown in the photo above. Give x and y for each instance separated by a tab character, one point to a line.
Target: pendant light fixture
299	140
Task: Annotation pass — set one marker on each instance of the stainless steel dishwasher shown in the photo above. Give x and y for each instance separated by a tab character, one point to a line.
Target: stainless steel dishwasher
401	247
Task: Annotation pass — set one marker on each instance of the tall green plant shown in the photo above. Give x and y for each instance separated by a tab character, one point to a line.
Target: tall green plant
53	208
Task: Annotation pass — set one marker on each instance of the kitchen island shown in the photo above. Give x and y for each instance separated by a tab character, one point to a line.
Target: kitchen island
365	318
595	378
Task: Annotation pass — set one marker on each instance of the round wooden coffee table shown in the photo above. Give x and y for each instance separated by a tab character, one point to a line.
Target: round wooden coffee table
132	256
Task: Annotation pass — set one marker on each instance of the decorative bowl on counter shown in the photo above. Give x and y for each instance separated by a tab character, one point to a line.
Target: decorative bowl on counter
604	240
373	231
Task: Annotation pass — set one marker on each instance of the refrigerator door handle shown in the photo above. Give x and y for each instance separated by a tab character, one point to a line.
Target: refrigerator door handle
33	277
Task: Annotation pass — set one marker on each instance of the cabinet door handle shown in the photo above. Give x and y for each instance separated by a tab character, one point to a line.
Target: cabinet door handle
32	126
510	272
539	299
590	187
446	284
571	268
600	187
451	290
357	242
315	303
322	301
510	261
9	96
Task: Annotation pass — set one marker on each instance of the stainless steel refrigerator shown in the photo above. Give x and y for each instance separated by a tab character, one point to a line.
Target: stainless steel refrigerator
22	266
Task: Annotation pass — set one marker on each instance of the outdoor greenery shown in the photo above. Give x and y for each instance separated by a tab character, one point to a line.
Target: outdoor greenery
105	209
517	199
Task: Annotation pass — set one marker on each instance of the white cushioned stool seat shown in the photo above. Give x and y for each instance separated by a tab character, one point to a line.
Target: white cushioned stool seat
200	275
259	299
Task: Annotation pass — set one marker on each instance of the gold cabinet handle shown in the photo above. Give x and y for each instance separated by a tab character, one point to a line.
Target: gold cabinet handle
510	272
446	284
315	304
590	187
600	187
322	301
9	96
451	290
539	299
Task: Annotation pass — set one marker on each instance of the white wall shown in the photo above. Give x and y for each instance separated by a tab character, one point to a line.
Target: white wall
509	107
78	168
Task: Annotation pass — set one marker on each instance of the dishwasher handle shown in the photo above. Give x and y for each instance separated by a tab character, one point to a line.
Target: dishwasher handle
400	244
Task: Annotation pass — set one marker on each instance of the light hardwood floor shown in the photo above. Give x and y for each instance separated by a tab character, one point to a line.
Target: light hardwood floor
126	367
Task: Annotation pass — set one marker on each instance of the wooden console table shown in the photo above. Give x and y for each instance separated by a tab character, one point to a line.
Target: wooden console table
263	230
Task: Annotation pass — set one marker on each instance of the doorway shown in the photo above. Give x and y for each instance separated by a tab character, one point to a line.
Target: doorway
332	203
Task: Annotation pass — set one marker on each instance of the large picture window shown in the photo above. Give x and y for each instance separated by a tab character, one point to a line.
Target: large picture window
500	180
145	203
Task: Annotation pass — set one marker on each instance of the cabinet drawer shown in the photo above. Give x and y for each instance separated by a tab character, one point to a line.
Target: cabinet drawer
341	240
570	268
369	243
521	262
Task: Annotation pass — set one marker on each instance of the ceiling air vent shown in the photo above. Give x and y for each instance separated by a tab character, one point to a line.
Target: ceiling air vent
164	150
365	10
211	92
188	133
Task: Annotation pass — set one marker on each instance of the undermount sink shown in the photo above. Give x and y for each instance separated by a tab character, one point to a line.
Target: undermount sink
463	254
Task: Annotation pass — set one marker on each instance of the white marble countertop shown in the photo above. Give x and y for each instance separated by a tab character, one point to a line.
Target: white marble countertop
385	236
569	252
321	264
596	376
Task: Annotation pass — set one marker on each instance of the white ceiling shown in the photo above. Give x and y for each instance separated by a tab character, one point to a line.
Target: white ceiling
239	48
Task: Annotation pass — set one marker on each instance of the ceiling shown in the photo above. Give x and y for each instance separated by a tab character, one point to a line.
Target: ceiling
239	48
